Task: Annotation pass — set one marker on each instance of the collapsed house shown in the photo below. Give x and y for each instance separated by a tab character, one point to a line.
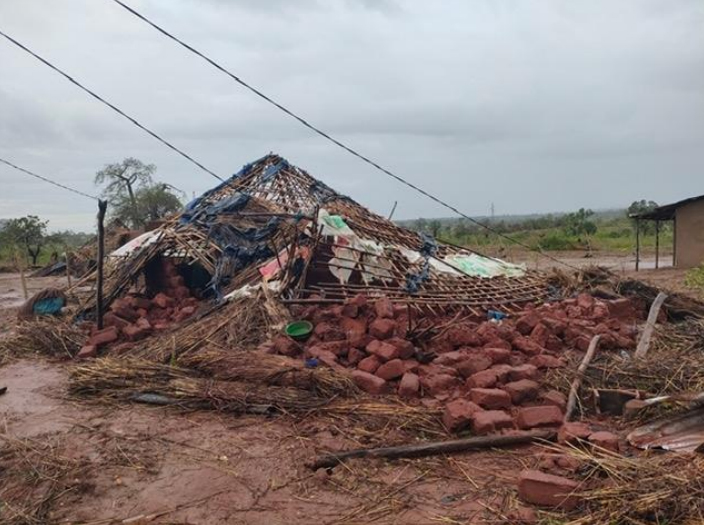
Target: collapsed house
408	335
274	223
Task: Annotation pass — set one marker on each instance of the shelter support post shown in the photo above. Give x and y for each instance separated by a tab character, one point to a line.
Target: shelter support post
637	244
657	244
102	206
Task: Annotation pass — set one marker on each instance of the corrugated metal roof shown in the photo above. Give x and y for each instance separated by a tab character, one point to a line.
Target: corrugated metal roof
666	212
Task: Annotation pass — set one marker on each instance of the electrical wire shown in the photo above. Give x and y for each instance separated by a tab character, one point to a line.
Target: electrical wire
335	141
45	179
108	104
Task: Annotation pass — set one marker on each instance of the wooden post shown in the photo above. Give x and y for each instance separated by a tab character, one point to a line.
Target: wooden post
574	387
68	266
644	342
102	206
637	244
657	244
674	242
23	278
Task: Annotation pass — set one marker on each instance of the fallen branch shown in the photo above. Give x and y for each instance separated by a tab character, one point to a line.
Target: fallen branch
433	448
574	388
644	342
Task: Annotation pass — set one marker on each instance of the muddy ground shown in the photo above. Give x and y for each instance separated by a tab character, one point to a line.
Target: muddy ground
139	464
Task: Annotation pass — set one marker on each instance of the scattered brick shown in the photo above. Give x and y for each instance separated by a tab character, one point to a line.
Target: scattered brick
87	352
384	308
370	383
605	440
458	414
104	336
522	390
436	384
490	398
540	416
523	372
391	369
489	421
369	364
383	350
498	355
473	365
382	328
547	490
555	398
572	432
409	386
483	379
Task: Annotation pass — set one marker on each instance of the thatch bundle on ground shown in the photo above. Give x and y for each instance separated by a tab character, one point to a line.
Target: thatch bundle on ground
34	475
47	336
647	489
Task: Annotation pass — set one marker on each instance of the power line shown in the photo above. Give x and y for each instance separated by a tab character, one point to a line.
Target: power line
58	184
330	138
108	104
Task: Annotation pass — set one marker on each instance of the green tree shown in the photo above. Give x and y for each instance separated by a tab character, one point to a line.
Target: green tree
435	226
580	224
642	206
27	233
150	203
124	178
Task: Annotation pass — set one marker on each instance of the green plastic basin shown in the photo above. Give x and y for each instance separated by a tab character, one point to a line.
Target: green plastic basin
299	330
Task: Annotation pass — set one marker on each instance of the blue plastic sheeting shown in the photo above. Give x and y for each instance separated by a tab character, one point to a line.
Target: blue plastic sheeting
240	248
414	281
187	215
50	306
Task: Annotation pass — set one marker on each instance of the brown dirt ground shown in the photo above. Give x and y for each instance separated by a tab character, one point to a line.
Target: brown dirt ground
159	465
138	464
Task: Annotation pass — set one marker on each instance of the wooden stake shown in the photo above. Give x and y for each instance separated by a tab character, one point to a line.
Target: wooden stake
102	206
68	266
433	448
644	342
23	278
574	388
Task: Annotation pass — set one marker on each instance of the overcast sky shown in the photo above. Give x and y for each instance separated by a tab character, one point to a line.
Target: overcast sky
534	106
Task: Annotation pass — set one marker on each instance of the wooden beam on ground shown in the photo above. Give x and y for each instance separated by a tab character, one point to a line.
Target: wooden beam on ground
434	448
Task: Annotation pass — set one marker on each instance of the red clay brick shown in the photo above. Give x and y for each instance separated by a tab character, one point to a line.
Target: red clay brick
370	383
391	369
490	398
522	390
458	414
523	372
369	364
382	328
483	379
545	489
540	416
489	421
383	350
409	386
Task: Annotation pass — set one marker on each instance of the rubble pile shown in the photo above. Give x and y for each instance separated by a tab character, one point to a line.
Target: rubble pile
135	316
486	374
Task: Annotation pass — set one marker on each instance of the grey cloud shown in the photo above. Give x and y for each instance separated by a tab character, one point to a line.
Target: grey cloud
532	106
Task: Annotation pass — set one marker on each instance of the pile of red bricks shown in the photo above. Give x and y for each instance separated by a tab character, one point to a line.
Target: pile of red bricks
135	317
486	374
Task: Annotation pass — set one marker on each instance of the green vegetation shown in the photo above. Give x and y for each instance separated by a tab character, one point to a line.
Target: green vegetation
695	278
135	199
25	240
609	231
